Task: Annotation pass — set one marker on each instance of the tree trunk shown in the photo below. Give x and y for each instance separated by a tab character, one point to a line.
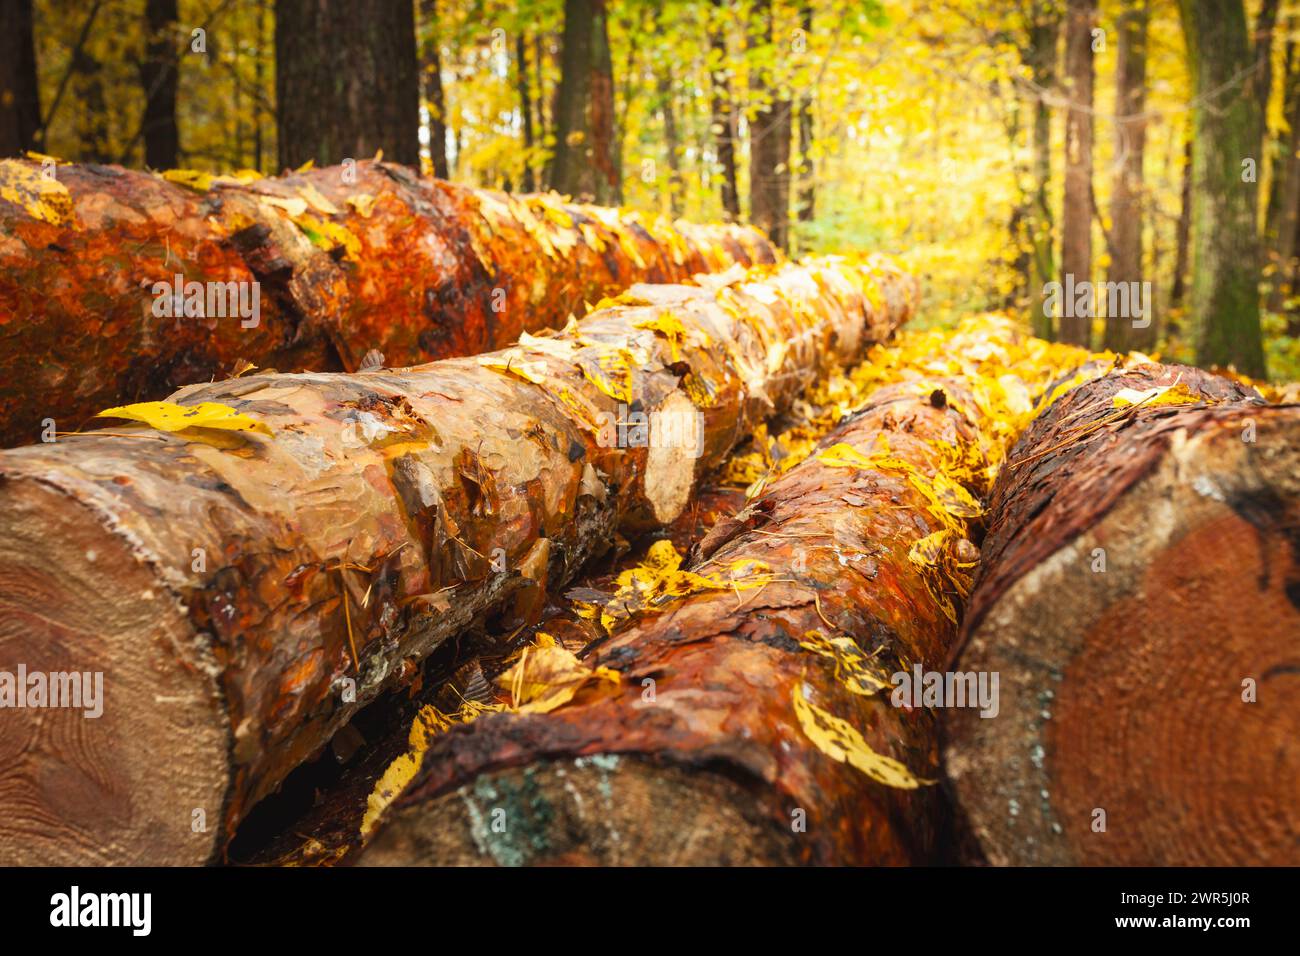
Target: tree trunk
525	110
20	119
1076	222
1226	260
1041	60
434	99
1131	330
585	162
1285	215
1140	575
347	81
342	261
245	593
672	142
1183	238
753	720
807	198
769	139
159	79
724	122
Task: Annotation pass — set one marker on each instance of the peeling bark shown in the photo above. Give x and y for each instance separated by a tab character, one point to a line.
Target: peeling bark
701	753
1138	569
245	594
418	269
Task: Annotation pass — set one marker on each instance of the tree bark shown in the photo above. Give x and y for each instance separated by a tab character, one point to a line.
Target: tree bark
159	80
1128	193
807	198
1076	222
672	142
434	99
244	594
328	113
525	109
343	260
1285	213
1183	237
585	163
703	750
769	139
20	95
1226	257
1139	567
724	123
1041	59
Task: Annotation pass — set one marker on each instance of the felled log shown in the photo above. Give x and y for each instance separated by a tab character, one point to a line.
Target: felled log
746	711
245	591
1139	596
312	270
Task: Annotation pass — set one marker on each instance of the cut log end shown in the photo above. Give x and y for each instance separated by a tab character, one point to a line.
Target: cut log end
1149	671
602	810
671	458
80	777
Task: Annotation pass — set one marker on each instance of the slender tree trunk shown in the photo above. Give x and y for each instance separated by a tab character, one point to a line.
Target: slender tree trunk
20	95
347	81
92	116
586	161
435	101
1041	60
1225	279
525	109
1183	236
769	139
1285	211
672	141
807	196
724	121
259	75
1076	223
1127	194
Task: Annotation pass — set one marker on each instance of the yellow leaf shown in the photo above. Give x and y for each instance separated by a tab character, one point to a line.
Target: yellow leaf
547	676
169	417
1175	394
837	739
42	197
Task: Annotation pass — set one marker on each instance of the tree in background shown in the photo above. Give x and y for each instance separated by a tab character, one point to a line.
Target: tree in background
585	163
1043	27
769	132
1126	197
1226	256
431	85
20	101
1076	219
159	81
723	114
346	80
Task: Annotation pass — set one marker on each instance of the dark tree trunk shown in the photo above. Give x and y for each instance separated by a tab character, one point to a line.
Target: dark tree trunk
1041	60
1226	258
1076	224
347	81
724	122
1286	194
92	114
20	118
769	141
431	83
1182	253
585	163
672	142
807	198
1123	331
158	76
525	109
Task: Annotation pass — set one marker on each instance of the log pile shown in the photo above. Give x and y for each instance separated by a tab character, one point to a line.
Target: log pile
313	270
740	709
249	569
1139	596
